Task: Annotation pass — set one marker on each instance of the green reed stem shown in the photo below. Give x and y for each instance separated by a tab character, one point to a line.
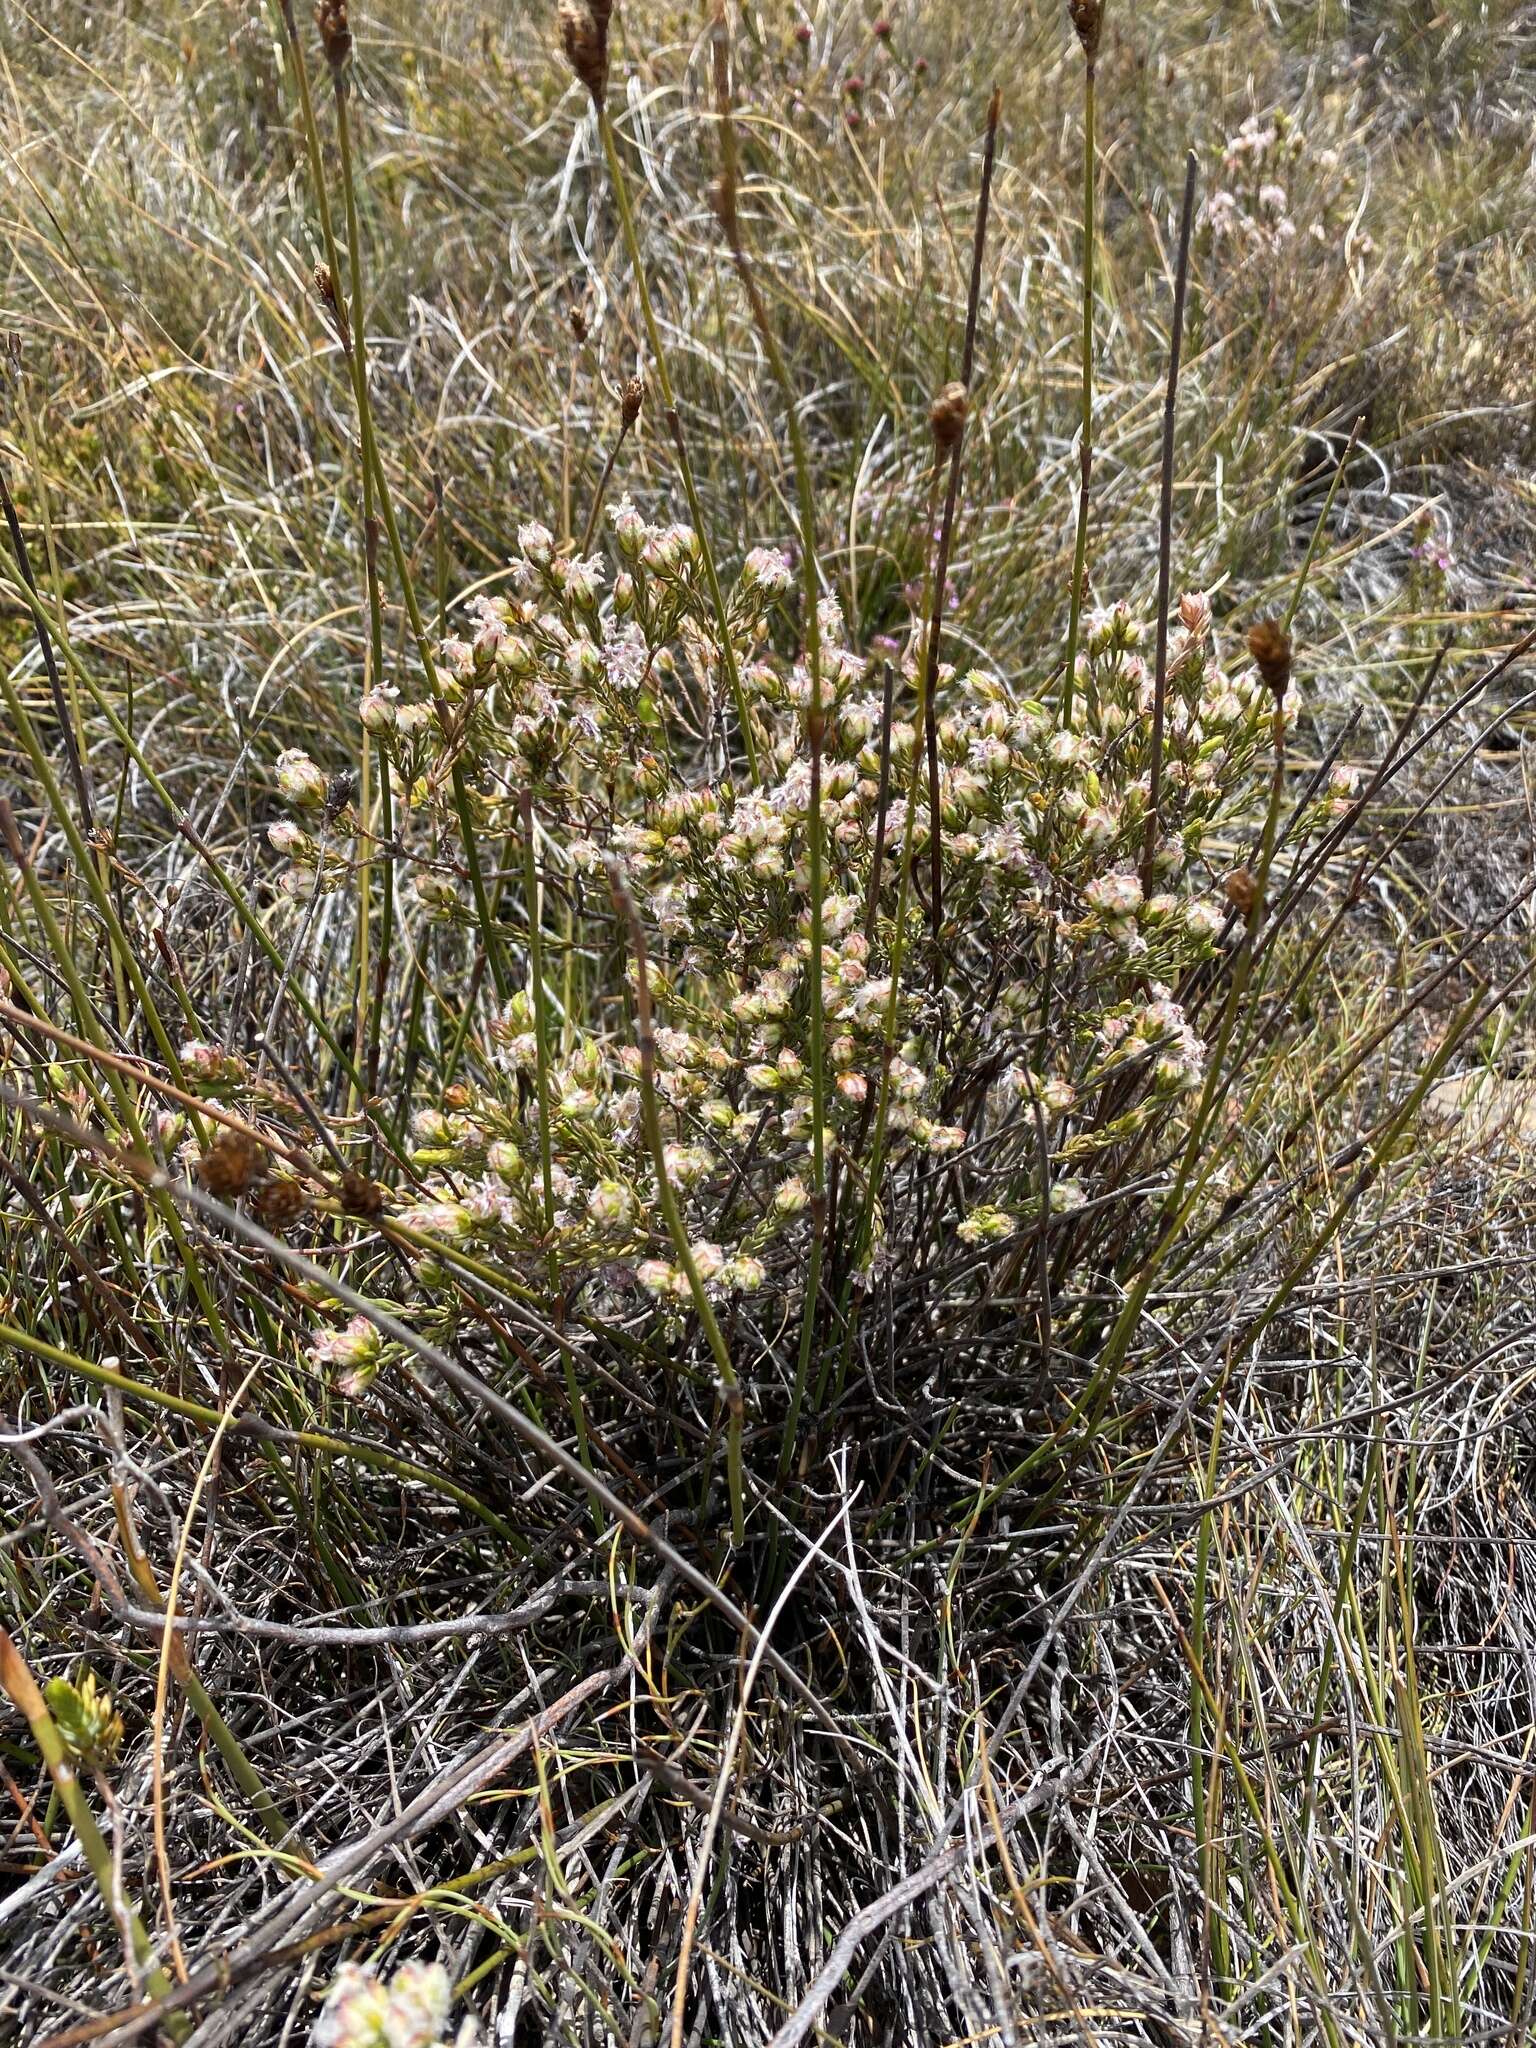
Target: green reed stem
1085	425
729	1381
620	186
815	725
372	463
535	915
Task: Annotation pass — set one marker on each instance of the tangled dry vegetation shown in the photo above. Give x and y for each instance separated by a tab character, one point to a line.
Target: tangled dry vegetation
764	983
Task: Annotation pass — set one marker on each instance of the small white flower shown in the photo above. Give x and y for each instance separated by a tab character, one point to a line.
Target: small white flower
767	570
536	543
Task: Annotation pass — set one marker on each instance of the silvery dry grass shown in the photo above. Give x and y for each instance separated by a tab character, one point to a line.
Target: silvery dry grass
1159	1668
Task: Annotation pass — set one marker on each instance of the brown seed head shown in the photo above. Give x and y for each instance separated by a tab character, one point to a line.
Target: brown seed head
1242	890
339	792
335	34
1088	20
330	298
280	1202
233	1162
584	34
361	1196
579	323
630	401
946	417
1269	645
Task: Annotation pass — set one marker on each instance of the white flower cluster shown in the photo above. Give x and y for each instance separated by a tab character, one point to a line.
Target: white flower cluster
409	2011
1255	211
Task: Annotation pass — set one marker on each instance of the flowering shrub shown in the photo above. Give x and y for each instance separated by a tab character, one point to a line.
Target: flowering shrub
1017	1049
1283	204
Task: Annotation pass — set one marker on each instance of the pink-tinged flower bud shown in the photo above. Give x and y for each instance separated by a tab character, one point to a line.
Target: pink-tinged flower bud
656	1276
298	779
536	543
768	570
435	892
455	661
287	838
630	531
201	1061
448	1220
612	1205
708	1260
1117	895
357	1345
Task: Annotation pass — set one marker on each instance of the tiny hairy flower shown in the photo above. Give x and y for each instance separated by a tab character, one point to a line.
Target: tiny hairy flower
287	838
298	778
656	1276
986	1225
1203	919
455	660
536	543
1113	896
409	2011
444	1219
708	1260
767	570
686	1164
612	1205
354	1348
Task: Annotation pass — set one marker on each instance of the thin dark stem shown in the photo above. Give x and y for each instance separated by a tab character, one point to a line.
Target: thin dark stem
882	804
946	536
45	642
602	489
1165	524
